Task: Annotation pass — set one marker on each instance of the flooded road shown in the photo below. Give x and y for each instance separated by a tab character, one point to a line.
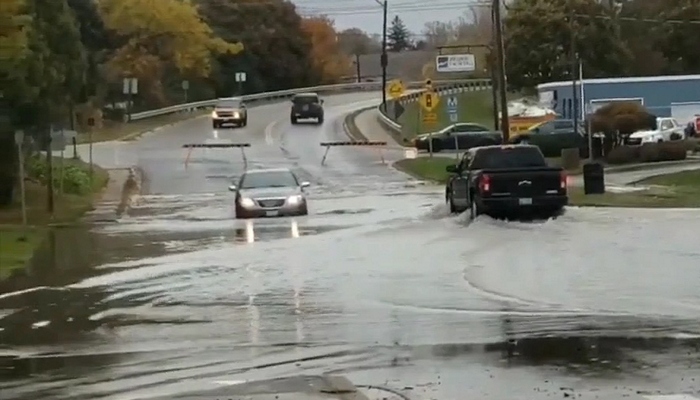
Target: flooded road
378	284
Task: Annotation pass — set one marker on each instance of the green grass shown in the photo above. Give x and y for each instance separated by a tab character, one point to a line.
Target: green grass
17	243
476	107
677	190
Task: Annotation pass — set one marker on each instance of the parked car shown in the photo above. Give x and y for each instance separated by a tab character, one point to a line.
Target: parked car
461	136
667	129
554	136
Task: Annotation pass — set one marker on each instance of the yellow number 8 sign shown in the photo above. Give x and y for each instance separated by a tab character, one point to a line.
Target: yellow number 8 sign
429	101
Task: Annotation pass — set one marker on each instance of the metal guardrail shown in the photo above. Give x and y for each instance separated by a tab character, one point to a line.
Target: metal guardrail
284	94
446	89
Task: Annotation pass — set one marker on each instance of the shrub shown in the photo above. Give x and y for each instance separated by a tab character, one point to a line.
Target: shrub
76	177
664	151
624	155
625	117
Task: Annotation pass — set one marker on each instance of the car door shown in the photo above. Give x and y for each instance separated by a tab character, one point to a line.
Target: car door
665	128
447	138
462	135
460	183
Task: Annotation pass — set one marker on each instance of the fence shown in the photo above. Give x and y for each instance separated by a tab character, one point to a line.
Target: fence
285	94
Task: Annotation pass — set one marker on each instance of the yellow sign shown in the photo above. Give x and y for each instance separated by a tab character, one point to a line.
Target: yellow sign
429	100
395	89
429	118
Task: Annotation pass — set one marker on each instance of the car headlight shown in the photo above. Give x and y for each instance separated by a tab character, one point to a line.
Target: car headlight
296	199
236	115
213	114
246	202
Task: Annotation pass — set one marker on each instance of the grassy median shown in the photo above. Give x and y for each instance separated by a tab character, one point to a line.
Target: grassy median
17	242
677	190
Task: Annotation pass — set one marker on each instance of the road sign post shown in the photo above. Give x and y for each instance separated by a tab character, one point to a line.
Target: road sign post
130	88
186	89
241	78
19	141
452	109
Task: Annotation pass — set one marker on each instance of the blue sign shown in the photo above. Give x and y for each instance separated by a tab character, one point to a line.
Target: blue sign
452	104
454	117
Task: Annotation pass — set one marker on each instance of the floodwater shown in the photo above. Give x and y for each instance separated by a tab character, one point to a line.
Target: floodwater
378	284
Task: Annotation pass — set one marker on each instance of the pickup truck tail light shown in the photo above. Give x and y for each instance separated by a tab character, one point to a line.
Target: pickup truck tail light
563	180
485	183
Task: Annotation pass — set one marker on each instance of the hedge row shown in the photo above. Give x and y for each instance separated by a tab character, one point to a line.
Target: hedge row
650	152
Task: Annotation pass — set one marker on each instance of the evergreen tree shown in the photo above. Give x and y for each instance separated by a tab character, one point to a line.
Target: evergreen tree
398	38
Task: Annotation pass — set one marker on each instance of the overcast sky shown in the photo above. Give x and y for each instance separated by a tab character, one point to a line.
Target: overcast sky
367	14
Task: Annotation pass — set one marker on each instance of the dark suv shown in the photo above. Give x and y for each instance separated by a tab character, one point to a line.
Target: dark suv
306	106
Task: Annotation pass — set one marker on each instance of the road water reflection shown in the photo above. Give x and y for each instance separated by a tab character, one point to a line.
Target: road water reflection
179	297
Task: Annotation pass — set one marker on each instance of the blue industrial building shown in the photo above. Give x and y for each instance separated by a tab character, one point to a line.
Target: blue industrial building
664	96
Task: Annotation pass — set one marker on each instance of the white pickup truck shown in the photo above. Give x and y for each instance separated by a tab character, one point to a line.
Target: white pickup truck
664	132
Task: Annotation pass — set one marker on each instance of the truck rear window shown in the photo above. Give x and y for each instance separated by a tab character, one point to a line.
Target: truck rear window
508	157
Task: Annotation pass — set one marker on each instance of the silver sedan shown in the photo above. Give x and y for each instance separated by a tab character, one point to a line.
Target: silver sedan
270	193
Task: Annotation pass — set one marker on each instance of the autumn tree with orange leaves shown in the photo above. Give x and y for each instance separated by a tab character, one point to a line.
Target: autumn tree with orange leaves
326	54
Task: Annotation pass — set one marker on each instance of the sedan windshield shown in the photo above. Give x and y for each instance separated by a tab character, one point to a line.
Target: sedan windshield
255	180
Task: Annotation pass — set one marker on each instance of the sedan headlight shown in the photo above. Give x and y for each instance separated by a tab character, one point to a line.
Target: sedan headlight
236	115
296	199
246	202
213	114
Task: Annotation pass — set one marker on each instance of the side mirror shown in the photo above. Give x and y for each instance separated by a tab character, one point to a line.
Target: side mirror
305	184
243	106
321	101
452	169
232	188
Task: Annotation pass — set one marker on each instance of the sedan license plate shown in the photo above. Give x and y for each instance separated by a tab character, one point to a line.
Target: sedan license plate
525	201
271	213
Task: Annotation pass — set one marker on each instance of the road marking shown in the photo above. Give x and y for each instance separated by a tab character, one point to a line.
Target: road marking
268	132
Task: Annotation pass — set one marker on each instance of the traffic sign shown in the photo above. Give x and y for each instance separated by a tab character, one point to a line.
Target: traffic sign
429	84
429	118
398	111
429	101
395	89
452	103
454	117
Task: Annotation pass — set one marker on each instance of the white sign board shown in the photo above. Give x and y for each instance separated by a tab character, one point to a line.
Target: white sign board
454	117
455	63
130	86
240	77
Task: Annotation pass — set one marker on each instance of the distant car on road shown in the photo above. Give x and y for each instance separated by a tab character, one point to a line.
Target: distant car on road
229	111
269	193
465	135
306	106
505	179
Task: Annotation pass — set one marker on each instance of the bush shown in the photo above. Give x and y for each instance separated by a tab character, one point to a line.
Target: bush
665	151
625	117
624	155
76	177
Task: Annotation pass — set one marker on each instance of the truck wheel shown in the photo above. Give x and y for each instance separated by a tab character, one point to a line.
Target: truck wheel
293	120
474	210
244	122
453	209
215	125
320	120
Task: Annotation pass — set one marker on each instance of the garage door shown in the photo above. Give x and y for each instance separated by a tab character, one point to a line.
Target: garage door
685	112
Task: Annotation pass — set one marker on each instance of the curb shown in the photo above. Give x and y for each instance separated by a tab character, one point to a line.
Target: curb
349	126
135	135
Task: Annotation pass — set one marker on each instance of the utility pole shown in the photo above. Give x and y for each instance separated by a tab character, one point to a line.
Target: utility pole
49	165
384	57
574	70
500	52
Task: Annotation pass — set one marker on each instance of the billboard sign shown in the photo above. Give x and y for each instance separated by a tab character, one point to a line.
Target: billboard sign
455	63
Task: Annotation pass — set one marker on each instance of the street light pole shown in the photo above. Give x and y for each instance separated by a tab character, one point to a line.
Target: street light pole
384	60
500	54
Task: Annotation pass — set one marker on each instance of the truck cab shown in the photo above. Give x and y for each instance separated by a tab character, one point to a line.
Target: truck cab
505	179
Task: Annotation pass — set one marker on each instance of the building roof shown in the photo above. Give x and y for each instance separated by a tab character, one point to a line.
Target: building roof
637	79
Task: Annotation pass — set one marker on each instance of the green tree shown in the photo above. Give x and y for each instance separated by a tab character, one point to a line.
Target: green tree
355	41
678	42
538	41
398	37
277	54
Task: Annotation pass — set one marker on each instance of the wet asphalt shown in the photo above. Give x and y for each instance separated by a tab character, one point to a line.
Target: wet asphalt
378	284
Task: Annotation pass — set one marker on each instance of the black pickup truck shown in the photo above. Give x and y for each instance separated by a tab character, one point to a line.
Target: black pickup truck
505	179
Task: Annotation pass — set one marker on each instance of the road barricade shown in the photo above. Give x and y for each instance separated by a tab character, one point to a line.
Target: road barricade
373	143
193	146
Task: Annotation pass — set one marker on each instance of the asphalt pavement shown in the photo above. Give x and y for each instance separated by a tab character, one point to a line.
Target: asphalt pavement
379	284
